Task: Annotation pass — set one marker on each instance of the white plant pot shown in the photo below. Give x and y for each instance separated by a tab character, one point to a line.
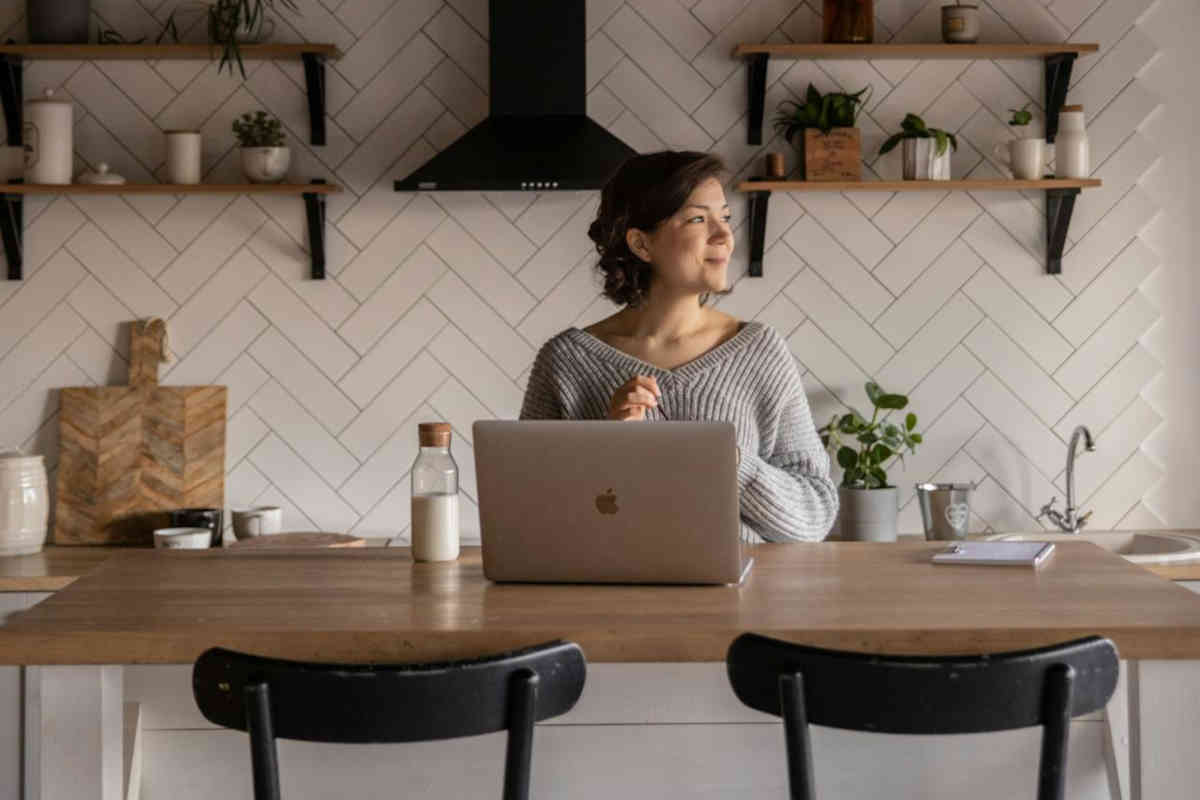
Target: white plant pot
920	163
265	164
868	515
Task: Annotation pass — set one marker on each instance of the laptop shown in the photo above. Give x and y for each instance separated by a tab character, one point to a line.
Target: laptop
609	502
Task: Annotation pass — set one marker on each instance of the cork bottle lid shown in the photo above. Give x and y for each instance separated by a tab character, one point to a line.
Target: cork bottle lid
1072	108
434	434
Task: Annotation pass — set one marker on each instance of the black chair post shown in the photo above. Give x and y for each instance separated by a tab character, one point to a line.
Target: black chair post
795	729
518	756
263	757
1052	770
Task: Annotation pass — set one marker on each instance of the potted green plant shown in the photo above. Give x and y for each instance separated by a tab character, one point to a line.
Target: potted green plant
230	23
1023	157
830	145
868	503
926	149
265	159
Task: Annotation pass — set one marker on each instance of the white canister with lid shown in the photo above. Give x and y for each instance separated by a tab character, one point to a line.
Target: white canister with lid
24	503
48	137
1071	149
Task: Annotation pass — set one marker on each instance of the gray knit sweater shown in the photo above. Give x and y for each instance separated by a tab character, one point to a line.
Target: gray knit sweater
750	380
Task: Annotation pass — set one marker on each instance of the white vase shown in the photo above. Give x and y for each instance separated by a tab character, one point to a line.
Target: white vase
183	156
24	504
265	164
1071	144
921	162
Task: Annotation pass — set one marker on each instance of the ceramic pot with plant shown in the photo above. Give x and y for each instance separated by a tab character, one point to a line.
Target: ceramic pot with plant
1023	158
264	157
926	150
823	131
869	504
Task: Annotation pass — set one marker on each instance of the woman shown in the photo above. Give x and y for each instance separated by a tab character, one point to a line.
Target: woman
664	241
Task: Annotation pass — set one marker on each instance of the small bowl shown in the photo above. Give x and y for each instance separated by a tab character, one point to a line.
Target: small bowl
183	538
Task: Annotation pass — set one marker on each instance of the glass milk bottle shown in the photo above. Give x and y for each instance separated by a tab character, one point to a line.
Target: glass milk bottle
434	496
1071	144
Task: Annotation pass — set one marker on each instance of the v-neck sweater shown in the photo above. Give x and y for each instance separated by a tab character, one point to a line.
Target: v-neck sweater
750	379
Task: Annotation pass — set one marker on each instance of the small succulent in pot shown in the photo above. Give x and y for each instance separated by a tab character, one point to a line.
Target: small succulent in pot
926	149
265	159
828	141
1020	122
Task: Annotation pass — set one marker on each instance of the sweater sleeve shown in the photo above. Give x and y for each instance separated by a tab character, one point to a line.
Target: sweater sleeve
787	493
543	398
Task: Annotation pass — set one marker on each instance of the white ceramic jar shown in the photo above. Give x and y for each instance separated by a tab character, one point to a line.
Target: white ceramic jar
24	504
183	156
48	136
1071	149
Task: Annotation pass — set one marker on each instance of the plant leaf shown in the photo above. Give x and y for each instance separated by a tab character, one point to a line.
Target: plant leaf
892	401
812	95
847	458
910	421
891	143
873	392
916	437
943	142
879	476
881	452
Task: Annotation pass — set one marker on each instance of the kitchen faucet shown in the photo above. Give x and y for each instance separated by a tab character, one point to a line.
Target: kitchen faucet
1068	521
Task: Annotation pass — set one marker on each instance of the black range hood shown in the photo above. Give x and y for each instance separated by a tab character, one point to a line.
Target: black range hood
538	136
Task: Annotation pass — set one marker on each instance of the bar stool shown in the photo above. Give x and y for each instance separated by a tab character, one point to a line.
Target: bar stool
357	704
923	695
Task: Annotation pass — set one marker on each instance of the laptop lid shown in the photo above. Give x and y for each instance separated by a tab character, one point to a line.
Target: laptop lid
608	502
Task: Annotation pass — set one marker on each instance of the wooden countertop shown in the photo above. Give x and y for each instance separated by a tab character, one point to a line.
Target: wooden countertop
56	567
376	605
51	569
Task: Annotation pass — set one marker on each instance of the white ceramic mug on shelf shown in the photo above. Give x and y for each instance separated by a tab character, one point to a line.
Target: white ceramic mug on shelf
256	521
1023	159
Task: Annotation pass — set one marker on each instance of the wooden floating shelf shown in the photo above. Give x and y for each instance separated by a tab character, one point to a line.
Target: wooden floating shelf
172	188
1060	202
916	50
145	52
910	186
13	56
12	208
1058	57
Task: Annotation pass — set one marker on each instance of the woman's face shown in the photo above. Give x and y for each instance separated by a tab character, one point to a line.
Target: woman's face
690	250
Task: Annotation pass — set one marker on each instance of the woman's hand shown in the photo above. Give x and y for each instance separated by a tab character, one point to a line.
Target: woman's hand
633	397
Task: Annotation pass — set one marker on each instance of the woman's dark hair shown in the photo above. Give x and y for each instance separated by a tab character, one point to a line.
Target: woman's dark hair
645	190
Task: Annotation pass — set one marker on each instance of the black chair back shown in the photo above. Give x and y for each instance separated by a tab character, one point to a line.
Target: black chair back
924	694
354	703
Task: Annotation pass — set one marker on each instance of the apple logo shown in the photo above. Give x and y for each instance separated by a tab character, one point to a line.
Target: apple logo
607	503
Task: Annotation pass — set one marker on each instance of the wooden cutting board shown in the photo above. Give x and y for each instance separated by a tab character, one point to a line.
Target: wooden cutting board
128	454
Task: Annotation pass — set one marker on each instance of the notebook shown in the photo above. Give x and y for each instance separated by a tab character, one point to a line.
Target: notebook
997	553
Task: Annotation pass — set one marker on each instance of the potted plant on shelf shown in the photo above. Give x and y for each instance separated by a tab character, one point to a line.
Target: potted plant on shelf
831	147
230	23
926	150
1024	157
868	503
265	159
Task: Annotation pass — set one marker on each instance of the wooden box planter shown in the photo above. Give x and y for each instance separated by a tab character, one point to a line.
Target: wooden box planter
833	156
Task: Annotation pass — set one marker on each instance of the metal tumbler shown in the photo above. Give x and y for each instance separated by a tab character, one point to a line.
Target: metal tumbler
945	510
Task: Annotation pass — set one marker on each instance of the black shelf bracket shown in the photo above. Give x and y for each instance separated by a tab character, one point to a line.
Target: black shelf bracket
756	72
314	80
314	206
757	203
12	231
1058	79
1060	203
11	69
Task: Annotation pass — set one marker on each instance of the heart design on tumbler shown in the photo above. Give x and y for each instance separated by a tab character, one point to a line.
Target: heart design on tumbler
956	515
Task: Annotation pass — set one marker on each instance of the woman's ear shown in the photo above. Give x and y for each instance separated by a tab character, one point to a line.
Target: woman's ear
638	244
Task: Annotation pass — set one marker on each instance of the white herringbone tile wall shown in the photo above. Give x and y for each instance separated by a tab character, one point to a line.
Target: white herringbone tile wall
436	304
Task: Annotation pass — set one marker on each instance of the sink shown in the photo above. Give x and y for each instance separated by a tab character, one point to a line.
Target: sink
1140	547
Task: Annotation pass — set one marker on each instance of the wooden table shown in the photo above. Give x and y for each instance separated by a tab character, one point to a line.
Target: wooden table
146	606
161	609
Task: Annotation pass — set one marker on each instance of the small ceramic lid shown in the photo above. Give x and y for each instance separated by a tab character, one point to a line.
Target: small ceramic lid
48	97
102	176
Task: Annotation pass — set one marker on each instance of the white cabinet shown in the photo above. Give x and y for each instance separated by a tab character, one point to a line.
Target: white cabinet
10	702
